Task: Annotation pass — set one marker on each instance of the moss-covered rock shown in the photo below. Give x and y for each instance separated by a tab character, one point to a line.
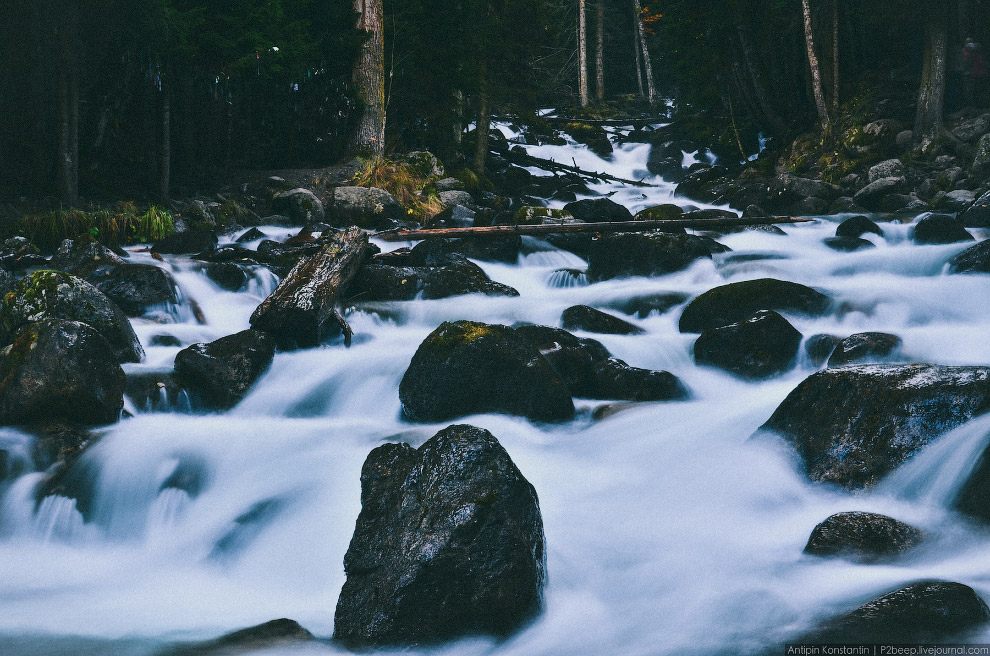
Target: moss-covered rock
58	295
593	136
541	215
664	212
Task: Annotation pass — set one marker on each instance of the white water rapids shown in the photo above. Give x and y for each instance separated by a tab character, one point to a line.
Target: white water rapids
669	531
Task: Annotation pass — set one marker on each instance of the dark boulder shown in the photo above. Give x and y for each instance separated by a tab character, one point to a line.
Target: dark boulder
467	367
283	634
220	373
57	295
614	379
157	392
761	346
60	370
863	537
853	425
819	348
863	348
857	226
848	244
135	288
302	206
76	256
435	252
252	234
664	212
646	254
977	215
644	306
19	254
184	243
975	259
391	283
940	229
922	612
227	275
367	207
598	210
872	196
736	301
593	136
449	544
582	317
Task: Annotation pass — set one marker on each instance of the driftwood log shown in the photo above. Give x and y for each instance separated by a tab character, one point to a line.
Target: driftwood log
524	159
302	311
560	228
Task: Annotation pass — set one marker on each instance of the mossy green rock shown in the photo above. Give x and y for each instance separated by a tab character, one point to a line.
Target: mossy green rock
665	212
736	301
467	367
58	295
542	215
60	370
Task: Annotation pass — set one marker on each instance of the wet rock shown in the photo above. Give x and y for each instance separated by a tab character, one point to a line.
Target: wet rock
282	634
973	499
252	234
664	212
467	367
598	210
400	283
614	379
165	340
956	200
853	425
57	295
77	255
135	288
819	348
981	161
977	215
454	216
863	537
228	275
644	306
184	243
857	226
437	252
737	301
454	198
582	317
220	374
975	259
60	370
848	244
922	612
871	196
891	168
301	206
646	254
19	254
940	229
58	450
761	346
366	207
593	136
449	544
280	257
863	348
157	392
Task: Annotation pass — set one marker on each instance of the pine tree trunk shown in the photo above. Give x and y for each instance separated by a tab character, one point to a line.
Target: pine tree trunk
68	139
369	78
816	75
651	91
600	53
835	55
582	55
931	95
165	174
638	53
484	126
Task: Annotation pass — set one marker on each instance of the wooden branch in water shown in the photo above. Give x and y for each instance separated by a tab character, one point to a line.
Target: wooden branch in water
560	228
550	165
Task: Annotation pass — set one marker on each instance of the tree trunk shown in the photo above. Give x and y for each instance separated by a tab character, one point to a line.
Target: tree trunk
165	174
68	139
582	55
600	53
773	122
484	125
835	55
931	95
638	53
651	91
816	75
369	78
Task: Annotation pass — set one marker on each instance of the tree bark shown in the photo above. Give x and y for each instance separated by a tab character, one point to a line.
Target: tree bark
835	55
369	78
931	95
165	175
484	125
600	53
816	75
651	91
638	53
582	55
68	139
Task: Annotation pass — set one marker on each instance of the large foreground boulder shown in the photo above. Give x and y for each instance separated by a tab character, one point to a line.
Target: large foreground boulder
862	537
466	367
922	612
736	301
449	543
761	346
853	425
646	254
60	370
220	373
58	295
302	311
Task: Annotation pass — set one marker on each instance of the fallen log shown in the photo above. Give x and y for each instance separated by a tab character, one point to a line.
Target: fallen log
302	312
400	234
550	165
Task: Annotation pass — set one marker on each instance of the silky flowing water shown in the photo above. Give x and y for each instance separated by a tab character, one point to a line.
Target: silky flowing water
669	530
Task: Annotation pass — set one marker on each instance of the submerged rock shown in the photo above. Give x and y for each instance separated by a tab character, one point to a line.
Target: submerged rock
598	210
857	226
863	537
449	544
646	254
922	612
736	301
583	317
863	348
60	370
400	283
277	634
467	367
940	229
848	244
819	347
853	425
221	372
57	295
761	346
227	275
975	259
644	306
